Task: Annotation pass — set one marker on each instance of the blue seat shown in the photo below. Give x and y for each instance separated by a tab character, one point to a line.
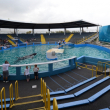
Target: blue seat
57	92
62	97
98	94
79	84
91	86
7	100
105	109
71	104
7	106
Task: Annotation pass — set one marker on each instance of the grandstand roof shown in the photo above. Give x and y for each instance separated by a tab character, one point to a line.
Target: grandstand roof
23	25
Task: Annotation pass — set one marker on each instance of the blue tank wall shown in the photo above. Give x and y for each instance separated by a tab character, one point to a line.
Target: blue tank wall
104	33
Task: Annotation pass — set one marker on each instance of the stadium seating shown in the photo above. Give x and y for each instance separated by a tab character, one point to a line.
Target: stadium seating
55	37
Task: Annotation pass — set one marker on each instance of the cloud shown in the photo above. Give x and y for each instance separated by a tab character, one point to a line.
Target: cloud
49	11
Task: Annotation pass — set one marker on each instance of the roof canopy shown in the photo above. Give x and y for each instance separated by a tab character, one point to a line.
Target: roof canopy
23	25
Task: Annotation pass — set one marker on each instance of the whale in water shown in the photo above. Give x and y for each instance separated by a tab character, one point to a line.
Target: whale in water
25	57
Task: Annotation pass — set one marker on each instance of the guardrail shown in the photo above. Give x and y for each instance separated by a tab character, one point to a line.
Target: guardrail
51	62
86	38
50	70
102	67
3	93
89	67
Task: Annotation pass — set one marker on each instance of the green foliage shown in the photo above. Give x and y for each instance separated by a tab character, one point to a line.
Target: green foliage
28	32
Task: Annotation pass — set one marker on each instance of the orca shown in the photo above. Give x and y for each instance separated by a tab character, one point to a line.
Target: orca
25	57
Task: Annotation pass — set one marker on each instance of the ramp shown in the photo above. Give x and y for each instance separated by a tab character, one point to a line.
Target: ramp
12	43
43	39
68	39
22	40
10	37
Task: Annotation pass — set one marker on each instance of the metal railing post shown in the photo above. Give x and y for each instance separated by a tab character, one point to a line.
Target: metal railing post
76	64
109	70
48	99
43	90
105	70
16	90
45	94
96	71
41	87
55	106
3	91
11	95
92	70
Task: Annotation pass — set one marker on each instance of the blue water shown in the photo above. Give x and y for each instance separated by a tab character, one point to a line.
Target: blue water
12	56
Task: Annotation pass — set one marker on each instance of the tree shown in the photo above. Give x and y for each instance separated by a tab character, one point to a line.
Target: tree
28	32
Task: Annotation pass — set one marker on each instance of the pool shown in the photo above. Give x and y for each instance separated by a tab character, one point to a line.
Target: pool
12	56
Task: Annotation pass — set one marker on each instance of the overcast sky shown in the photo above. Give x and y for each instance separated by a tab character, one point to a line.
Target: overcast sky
53	11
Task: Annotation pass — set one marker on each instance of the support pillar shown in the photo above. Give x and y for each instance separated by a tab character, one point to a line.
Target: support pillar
64	31
33	32
50	69
97	29
16	32
18	72
49	32
80	30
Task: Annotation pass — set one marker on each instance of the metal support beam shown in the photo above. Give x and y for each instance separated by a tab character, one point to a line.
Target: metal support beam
80	30
64	31
33	32
97	29
49	31
16	32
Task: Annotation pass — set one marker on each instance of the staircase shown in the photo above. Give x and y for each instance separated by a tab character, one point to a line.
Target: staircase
10	37
68	39
12	43
43	39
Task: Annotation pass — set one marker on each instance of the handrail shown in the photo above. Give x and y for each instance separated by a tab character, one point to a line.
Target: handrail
48	99
55	106
45	93
41	63
102	66
41	87
16	90
11	95
86	66
3	91
86	39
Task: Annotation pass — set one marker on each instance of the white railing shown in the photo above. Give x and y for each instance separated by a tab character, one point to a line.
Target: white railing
41	63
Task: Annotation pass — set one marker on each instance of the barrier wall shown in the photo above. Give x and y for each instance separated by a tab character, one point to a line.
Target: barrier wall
93	46
19	76
51	71
104	33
